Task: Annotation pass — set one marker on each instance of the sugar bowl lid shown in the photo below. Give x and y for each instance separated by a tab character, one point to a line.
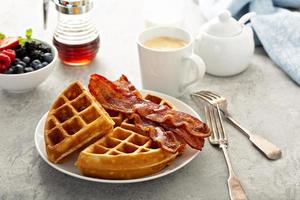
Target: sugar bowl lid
223	26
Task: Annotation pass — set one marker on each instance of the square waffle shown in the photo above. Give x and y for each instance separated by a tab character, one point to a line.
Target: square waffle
116	116
158	100
123	154
75	120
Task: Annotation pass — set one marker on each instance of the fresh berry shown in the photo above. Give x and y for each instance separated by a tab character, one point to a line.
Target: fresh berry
20	51
9	71
4	62
28	69
36	54
8	43
31	46
35	63
18	69
39	66
17	60
44	48
48	57
26	59
45	64
2	68
13	67
22	63
10	53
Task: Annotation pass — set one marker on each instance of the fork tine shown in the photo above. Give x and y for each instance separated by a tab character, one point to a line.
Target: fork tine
218	134
212	123
214	94
219	121
209	122
204	97
211	95
201	94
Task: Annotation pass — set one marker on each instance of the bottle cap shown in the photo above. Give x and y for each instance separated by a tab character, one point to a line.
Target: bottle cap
73	7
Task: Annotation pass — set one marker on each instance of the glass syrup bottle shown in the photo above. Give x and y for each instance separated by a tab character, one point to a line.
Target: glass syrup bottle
75	37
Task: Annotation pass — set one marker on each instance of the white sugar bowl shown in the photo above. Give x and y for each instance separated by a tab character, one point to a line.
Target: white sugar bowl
225	44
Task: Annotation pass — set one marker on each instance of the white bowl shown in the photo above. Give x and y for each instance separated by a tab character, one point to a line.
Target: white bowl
20	83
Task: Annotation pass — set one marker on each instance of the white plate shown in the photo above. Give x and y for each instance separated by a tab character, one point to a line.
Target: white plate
69	168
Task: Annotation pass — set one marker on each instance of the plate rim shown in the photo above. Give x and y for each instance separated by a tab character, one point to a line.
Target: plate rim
119	181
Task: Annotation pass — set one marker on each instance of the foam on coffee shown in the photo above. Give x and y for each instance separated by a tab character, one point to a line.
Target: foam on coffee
164	43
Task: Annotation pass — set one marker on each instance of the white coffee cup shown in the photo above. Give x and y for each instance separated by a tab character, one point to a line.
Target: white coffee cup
168	71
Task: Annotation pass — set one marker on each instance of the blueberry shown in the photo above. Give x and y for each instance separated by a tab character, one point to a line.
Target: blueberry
9	71
13	66
45	64
47	57
20	51
26	59
35	63
22	63
36	54
18	69
39	66
17	60
32	46
28	69
44	48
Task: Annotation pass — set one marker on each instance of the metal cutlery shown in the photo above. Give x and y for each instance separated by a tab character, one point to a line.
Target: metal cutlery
45	12
219	138
267	148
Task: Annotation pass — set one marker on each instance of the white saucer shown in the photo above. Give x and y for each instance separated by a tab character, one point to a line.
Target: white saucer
69	168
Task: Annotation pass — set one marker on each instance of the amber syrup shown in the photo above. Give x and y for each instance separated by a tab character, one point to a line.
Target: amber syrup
79	54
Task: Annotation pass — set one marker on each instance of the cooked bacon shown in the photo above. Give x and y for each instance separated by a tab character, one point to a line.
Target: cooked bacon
122	96
170	118
124	84
165	139
118	96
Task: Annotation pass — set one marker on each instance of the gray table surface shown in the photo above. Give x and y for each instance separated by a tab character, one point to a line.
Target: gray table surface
263	98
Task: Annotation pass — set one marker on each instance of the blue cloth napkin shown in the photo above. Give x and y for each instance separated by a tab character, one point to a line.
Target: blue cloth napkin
277	28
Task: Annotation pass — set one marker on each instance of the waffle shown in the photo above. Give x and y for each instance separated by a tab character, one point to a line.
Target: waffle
75	120
158	100
123	154
116	116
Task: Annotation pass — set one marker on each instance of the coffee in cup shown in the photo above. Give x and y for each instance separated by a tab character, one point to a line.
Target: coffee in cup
165	43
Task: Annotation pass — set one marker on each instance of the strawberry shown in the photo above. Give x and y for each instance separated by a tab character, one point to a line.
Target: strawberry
4	62
8	43
2	68
10	53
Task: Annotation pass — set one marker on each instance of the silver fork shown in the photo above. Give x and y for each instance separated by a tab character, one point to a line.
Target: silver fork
219	137
267	148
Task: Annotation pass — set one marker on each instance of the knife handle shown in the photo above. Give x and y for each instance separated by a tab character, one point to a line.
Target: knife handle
269	149
236	191
235	188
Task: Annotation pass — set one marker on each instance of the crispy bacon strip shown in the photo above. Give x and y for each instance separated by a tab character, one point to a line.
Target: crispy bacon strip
121	96
165	139
124	84
170	118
